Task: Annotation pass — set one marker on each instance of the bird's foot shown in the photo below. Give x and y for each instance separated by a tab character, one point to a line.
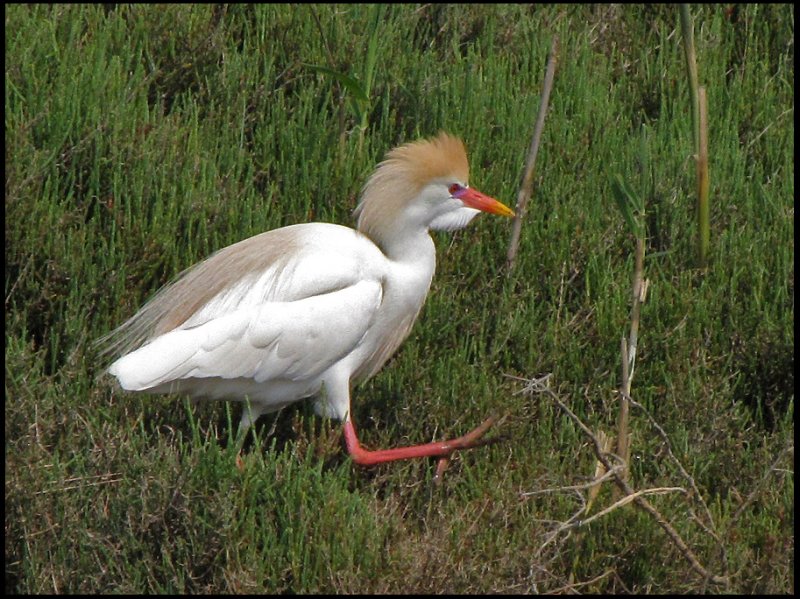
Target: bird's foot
442	449
472	439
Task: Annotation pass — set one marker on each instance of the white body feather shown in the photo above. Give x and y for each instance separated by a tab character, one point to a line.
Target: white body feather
335	309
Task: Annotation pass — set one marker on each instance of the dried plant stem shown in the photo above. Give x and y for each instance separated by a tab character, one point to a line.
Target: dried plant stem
589	485
708	525
787	449
699	133
625	500
628	351
572	588
687	30
541	386
526	188
668	445
703	232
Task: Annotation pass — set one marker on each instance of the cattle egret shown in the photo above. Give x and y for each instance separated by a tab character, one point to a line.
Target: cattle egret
307	310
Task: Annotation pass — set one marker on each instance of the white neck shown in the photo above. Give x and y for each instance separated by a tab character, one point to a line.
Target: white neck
407	246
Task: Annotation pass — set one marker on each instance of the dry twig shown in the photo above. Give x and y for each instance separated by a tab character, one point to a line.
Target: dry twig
526	188
751	497
541	386
629	353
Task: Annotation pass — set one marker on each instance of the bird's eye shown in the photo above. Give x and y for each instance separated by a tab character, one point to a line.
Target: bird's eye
454	188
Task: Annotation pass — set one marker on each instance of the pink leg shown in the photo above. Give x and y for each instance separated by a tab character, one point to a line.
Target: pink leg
364	457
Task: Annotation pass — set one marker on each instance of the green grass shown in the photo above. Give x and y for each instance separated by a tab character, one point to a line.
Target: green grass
140	139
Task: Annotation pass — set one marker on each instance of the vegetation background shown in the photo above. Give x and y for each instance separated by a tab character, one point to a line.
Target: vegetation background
141	138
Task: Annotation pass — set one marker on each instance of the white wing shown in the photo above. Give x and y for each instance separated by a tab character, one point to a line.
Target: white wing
282	265
290	340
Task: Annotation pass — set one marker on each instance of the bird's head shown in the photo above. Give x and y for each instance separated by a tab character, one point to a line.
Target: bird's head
419	186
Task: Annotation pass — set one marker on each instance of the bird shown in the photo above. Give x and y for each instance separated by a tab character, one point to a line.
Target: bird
309	310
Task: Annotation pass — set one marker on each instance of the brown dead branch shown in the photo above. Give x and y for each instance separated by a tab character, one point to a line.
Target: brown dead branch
751	497
541	386
526	188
